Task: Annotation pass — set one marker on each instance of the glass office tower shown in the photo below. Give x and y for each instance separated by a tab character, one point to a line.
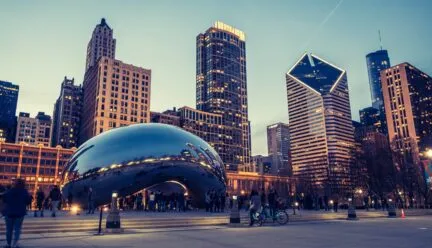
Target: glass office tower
376	62
221	88
321	131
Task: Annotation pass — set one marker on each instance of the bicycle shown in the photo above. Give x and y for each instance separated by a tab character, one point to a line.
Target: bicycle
281	216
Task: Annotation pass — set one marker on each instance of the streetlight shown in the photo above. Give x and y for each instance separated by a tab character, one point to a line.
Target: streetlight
429	153
235	213
113	218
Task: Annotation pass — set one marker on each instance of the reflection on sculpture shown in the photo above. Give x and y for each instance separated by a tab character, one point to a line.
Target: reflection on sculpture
129	159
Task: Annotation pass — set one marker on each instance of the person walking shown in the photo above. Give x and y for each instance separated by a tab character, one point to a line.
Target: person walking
55	197
40	197
16	200
255	200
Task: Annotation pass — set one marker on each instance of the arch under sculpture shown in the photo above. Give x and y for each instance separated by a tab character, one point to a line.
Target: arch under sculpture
129	159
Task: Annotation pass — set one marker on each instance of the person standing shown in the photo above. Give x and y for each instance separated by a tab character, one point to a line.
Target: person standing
272	196
16	200
90	201
255	206
2	192
40	197
70	199
55	197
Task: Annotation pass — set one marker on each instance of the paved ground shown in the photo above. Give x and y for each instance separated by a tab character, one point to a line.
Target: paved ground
412	232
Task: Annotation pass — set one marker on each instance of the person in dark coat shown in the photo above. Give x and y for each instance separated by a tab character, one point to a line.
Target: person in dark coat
40	198
272	197
55	197
16	200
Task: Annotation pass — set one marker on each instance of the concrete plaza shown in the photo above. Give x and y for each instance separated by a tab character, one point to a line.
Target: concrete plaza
374	232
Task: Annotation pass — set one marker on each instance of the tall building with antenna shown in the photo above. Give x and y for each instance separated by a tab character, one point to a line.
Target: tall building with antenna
376	62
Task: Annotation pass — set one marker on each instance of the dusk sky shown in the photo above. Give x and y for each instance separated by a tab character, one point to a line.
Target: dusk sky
43	41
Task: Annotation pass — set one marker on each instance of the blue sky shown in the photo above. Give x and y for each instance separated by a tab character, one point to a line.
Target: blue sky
42	41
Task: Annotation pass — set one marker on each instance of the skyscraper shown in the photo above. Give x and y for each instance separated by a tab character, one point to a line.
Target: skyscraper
34	131
278	145
370	116
221	88
376	62
67	115
408	106
101	44
115	95
321	131
8	104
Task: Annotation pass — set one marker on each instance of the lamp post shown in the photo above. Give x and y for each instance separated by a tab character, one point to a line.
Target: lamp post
295	205
235	213
113	218
391	209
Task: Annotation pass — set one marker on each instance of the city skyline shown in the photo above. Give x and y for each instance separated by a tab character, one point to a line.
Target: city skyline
66	43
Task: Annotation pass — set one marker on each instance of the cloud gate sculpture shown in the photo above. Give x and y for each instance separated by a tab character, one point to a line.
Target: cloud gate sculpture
129	159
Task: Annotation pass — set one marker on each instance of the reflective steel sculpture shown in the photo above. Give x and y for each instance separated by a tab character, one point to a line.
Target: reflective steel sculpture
129	159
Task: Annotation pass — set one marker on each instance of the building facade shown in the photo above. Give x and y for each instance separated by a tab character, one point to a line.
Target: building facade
169	117
321	131
221	88
115	95
67	115
376	62
263	164
408	105
370	116
278	145
242	183
8	104
102	43
34	131
39	166
207	126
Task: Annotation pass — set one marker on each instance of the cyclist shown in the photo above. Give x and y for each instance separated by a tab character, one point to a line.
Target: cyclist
255	200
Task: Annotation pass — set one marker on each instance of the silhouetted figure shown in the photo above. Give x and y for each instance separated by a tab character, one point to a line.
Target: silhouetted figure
16	200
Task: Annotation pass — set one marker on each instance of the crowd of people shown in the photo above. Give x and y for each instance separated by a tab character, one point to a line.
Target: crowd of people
156	202
216	201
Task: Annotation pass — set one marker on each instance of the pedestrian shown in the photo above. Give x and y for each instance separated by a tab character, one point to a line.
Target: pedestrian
152	200
272	196
255	200
40	198
90	201
336	205
223	201
55	197
70	199
16	200
263	196
2	192
207	200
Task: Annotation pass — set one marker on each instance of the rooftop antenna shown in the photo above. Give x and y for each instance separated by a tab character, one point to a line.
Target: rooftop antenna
379	36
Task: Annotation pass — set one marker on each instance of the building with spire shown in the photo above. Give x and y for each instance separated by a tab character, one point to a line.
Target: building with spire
321	131
102	43
376	62
221	88
115	94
